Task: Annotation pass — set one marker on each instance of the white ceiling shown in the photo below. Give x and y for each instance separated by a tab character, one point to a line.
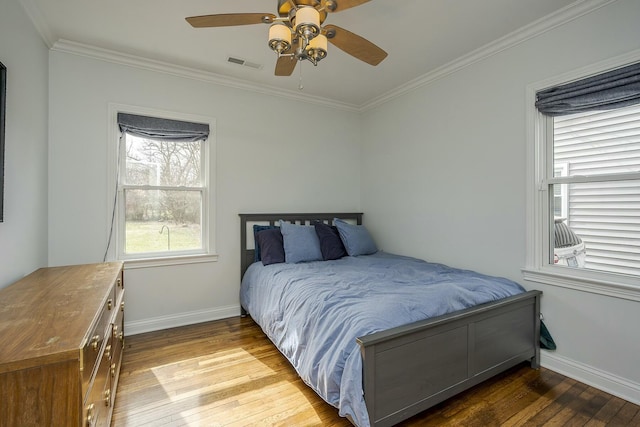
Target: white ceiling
420	36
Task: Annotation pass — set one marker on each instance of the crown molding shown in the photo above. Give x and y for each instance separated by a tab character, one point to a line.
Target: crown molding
536	28
81	49
547	23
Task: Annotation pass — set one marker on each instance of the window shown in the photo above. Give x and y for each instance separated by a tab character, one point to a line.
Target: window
603	187
164	189
585	187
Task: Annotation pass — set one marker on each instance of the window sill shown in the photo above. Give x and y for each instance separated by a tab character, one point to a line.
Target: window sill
624	287
167	261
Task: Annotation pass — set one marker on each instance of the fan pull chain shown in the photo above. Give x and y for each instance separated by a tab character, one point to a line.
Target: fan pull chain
300	86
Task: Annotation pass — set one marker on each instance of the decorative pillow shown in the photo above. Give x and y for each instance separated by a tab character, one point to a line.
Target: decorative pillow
271	246
301	243
256	229
330	244
356	238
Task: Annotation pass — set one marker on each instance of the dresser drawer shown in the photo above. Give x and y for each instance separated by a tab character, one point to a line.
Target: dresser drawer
101	396
108	393
117	346
98	403
96	339
119	289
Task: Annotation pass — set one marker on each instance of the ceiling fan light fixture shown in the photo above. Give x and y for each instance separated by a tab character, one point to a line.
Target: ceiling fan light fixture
307	22
317	49
279	37
300	32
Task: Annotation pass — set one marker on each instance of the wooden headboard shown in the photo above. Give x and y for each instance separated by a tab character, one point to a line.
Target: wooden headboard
248	220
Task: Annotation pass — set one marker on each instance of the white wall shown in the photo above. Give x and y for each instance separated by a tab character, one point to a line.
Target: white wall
443	173
266	161
23	234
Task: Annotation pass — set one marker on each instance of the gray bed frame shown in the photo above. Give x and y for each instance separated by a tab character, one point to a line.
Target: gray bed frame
413	367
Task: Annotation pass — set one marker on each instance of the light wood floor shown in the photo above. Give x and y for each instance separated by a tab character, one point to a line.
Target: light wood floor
227	373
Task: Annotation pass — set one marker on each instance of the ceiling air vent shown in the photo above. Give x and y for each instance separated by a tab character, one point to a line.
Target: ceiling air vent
243	62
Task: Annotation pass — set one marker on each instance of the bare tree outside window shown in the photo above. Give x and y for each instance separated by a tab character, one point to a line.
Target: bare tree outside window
163	195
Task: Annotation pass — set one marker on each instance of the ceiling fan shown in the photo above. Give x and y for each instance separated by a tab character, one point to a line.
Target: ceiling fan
298	34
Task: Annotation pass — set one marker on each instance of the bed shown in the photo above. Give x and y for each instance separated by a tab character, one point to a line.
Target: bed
382	372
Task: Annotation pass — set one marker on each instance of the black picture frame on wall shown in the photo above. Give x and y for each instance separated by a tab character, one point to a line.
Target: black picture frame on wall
3	104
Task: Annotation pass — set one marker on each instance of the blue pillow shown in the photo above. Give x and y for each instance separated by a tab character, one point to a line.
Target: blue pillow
356	238
301	243
330	244
256	229
271	246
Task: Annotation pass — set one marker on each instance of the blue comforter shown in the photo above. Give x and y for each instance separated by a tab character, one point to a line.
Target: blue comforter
314	311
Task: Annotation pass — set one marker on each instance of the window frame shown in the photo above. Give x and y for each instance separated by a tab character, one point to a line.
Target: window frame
539	211
116	226
564	191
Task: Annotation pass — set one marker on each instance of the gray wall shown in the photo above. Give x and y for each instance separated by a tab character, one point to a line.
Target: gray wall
23	234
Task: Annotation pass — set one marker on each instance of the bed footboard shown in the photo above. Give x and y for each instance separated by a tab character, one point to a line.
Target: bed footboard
412	368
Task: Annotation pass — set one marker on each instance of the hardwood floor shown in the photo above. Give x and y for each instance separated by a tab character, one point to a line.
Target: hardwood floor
227	373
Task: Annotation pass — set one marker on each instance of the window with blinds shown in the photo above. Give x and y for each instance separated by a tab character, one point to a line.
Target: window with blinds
595	182
164	192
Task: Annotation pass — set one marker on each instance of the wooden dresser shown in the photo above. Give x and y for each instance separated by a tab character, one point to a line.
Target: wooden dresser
61	341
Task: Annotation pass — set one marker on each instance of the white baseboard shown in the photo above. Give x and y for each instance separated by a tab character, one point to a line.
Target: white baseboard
605	381
181	319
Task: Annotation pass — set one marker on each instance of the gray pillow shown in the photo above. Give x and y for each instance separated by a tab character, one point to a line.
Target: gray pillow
301	243
331	245
271	246
257	229
356	238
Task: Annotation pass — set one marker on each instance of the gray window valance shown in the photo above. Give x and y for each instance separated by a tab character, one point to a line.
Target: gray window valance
607	91
164	129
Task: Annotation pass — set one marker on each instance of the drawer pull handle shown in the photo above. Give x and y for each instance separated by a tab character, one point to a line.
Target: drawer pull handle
115	331
113	370
90	419
109	304
122	306
107	352
121	336
107	397
119	282
95	340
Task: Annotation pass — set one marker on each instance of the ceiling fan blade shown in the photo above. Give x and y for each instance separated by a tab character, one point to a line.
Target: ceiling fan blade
285	65
354	45
341	5
230	19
